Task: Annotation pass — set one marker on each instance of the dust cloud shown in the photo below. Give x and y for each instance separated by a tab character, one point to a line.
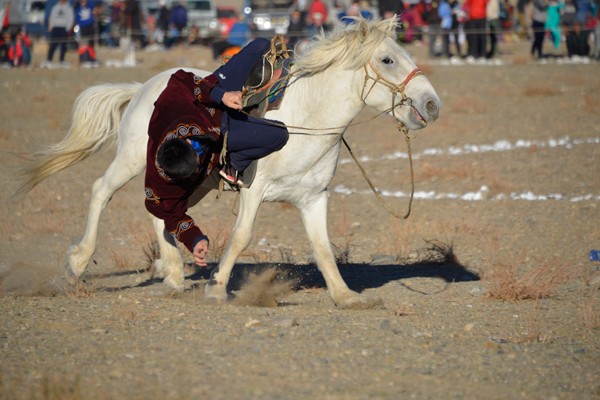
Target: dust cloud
22	279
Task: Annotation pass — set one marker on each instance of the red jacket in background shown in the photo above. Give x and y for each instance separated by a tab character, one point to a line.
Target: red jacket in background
476	9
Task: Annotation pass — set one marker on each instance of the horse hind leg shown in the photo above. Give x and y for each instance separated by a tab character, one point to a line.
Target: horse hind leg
170	264
116	176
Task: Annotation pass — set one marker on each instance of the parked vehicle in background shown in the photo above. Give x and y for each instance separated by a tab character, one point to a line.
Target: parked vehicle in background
202	19
26	14
227	16
269	16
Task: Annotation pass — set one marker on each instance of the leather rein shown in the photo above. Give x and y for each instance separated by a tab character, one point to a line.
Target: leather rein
395	89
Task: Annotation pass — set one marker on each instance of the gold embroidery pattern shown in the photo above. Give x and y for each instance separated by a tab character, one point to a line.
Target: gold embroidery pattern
182	227
151	196
197	90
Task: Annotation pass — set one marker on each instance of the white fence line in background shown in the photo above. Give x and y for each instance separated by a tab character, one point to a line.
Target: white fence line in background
498	146
483	193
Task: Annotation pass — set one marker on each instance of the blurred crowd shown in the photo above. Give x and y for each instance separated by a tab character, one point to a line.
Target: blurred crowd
469	31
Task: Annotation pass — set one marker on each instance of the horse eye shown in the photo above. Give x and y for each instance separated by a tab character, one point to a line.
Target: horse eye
387	60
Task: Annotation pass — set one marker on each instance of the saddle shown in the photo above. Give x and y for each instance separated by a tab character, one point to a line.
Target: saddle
265	74
257	98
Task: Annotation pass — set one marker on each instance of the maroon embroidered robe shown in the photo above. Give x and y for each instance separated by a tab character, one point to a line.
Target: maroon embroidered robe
183	110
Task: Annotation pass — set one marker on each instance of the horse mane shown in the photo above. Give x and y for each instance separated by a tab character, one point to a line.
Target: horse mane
349	46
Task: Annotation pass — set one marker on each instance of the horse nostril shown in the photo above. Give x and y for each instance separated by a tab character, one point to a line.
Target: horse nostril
432	109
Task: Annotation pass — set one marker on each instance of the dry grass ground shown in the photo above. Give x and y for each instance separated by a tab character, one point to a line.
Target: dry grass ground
489	297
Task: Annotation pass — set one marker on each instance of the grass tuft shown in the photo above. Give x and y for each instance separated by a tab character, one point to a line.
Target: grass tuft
506	282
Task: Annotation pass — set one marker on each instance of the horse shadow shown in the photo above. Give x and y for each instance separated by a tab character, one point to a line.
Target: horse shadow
436	262
358	276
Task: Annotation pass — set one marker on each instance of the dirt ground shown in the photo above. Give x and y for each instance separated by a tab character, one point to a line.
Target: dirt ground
487	289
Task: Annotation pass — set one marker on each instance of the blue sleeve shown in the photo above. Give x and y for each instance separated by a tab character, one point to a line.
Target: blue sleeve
216	94
234	73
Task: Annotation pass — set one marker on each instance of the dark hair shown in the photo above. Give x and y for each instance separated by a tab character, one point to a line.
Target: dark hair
178	159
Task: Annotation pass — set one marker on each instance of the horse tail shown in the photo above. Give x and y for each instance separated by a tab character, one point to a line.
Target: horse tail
96	116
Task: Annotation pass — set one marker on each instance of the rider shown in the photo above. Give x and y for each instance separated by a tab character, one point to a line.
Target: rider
185	135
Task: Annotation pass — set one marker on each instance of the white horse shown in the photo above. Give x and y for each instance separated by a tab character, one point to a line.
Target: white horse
333	80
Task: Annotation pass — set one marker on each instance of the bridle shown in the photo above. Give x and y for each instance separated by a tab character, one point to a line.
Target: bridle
394	87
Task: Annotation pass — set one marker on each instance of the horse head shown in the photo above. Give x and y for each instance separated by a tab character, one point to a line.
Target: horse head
393	82
386	76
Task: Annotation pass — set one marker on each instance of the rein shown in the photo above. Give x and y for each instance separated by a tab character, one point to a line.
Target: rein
395	89
378	196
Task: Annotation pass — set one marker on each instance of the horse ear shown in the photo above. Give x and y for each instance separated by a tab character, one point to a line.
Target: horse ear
392	23
363	30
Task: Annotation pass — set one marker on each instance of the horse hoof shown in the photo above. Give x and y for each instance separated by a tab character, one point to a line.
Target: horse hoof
174	285
361	302
71	277
215	293
157	270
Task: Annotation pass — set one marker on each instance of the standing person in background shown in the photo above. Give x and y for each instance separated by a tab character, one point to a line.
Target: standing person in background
19	50
133	18
60	24
493	25
86	21
538	21
476	29
104	24
117	23
553	21
568	15
161	34
522	31
433	21
316	26
4	46
445	14
239	35
458	17
296	28
387	8
178	21
585	11
408	17
596	49
353	10
317	7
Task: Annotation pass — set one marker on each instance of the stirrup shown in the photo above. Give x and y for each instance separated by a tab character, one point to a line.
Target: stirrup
231	175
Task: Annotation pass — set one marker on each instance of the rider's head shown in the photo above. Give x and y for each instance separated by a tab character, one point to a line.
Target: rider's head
178	159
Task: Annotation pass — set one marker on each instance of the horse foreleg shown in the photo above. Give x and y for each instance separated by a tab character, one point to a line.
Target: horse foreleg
314	216
117	175
216	289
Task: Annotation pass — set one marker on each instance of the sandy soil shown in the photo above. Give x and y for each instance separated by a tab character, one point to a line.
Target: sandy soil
487	288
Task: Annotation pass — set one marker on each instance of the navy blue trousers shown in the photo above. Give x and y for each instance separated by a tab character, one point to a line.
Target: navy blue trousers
251	138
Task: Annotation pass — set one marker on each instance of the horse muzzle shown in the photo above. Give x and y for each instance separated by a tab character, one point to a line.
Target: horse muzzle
426	112
432	109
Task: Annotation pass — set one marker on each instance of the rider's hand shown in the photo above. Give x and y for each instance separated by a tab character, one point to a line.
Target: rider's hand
200	251
233	100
